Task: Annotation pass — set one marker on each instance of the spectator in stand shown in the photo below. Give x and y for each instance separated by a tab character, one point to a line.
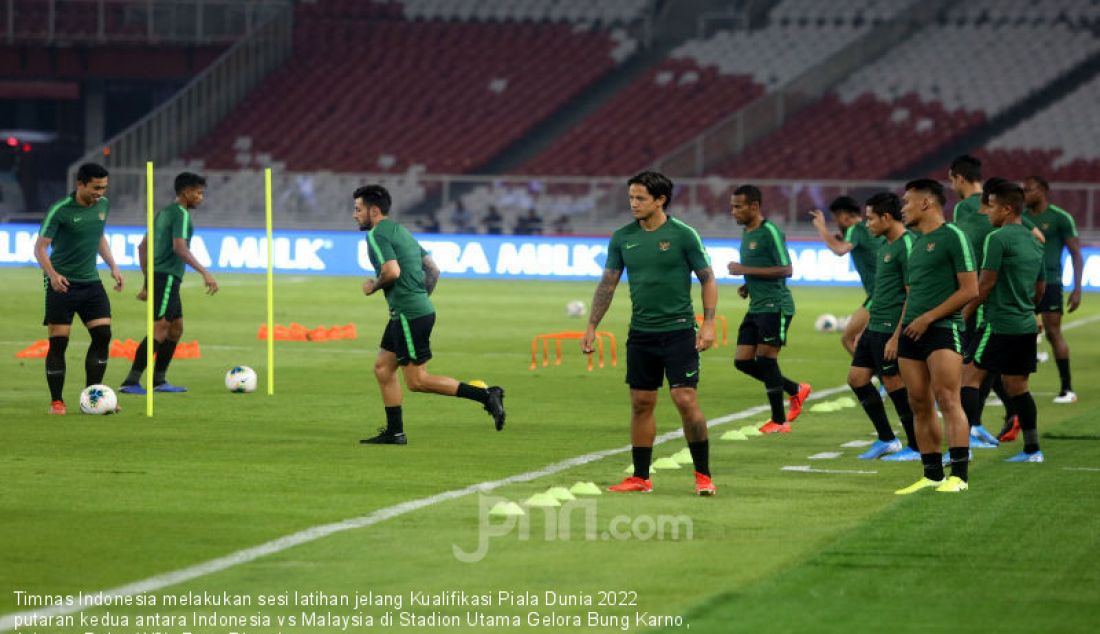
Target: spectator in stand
429	223
562	226
529	225
493	221
461	219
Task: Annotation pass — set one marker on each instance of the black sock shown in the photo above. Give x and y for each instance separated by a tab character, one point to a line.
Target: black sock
165	350
749	367
1006	400
479	394
394	424
960	461
1063	372
773	384
137	368
970	397
872	404
55	367
933	465
900	397
1025	409
642	458
700	456
790	387
95	362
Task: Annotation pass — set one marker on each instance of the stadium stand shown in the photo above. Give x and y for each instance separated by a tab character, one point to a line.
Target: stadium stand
926	92
703	81
363	93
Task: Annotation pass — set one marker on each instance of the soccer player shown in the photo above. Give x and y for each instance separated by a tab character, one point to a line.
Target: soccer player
1061	233
965	176
660	253
1012	281
407	275
862	246
763	332
66	248
886	300
941	280
172	231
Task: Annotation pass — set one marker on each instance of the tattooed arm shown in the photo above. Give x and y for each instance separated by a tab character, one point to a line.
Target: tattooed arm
705	337
431	273
601	301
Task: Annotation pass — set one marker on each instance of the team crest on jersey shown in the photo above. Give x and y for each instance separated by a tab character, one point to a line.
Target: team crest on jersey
1046	226
102	215
752	245
931	247
664	245
886	258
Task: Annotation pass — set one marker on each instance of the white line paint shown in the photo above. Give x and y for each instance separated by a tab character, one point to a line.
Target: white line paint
805	468
854	444
152	584
1080	469
826	455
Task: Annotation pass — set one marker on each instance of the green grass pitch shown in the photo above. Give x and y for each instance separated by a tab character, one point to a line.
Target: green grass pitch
93	503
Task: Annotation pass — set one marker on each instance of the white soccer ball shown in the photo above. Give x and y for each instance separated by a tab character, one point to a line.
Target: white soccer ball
826	323
98	399
575	308
241	379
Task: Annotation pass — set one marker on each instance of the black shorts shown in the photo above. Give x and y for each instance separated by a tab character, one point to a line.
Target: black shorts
870	351
166	297
1052	300
1013	355
971	335
651	356
935	338
87	299
409	339
769	329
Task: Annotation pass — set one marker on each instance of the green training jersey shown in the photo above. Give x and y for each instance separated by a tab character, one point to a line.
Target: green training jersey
1057	227
934	261
864	251
889	294
406	296
174	221
659	265
1017	258
765	246
75	231
975	224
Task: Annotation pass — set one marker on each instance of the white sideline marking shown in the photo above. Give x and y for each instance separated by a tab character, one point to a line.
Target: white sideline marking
826	455
157	582
853	444
805	468
1080	469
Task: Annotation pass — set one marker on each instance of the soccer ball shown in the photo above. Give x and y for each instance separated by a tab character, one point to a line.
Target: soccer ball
575	308
241	379
98	399
826	323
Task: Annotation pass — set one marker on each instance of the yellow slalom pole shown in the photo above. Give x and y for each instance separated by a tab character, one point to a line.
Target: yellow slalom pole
149	300
270	287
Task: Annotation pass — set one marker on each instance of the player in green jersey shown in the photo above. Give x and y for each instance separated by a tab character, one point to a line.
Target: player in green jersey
965	176
1012	282
766	266
407	275
659	254
68	242
172	231
1061	233
941	281
858	242
888	297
